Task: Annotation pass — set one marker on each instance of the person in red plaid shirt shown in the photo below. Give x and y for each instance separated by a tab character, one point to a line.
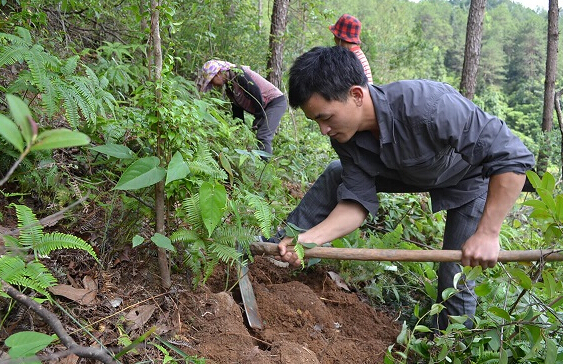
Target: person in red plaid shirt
347	34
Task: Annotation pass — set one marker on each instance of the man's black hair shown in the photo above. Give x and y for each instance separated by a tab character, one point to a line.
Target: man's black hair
328	71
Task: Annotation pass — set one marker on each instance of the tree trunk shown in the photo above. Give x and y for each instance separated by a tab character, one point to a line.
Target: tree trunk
560	122
159	187
473	38
549	87
277	30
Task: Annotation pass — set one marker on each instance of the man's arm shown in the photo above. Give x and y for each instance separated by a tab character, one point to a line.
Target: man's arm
345	218
483	247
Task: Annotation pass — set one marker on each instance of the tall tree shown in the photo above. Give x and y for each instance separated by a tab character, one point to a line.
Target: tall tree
473	38
277	30
549	89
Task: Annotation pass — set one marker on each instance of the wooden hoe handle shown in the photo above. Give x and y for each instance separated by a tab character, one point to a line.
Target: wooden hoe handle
403	255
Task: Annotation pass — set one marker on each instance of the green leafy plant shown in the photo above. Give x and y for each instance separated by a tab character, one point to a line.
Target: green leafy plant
59	82
548	209
207	240
26	344
519	315
34	275
23	134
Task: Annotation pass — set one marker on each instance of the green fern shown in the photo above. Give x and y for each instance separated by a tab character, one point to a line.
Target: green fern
34	275
205	164
204	253
192	210
224	253
58	81
30	229
55	241
209	269
184	236
262	212
32	236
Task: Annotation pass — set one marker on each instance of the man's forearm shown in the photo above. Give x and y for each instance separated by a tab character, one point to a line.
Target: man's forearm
345	218
504	189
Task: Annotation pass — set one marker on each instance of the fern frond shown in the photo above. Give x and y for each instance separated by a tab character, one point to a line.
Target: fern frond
54	241
262	212
193	261
107	99
40	275
23	84
24	34
31	230
11	54
84	97
69	67
205	164
199	167
34	275
191	208
38	61
230	235
50	97
12	244
93	77
71	108
208	270
226	235
184	236
11	268
224	253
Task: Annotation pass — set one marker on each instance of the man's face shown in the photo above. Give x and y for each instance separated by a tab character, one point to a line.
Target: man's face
339	120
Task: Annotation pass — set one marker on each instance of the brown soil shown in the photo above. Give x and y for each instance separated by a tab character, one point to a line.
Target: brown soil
307	317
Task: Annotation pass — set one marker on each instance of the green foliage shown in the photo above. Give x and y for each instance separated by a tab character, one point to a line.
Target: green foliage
142	173
116	63
548	209
22	133
207	153
25	344
518	316
34	275
82	96
206	244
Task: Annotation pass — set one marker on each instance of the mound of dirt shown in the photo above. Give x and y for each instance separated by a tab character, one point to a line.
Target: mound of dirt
307	318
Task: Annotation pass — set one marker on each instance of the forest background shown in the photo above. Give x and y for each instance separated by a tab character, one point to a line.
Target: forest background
156	147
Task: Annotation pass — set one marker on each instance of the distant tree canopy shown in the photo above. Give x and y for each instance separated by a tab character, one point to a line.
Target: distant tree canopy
401	39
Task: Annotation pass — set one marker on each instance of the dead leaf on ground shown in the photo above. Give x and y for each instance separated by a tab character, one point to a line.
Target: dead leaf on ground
71	359
139	316
90	283
338	280
82	296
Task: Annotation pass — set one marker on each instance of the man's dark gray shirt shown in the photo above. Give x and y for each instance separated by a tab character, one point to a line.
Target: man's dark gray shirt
431	139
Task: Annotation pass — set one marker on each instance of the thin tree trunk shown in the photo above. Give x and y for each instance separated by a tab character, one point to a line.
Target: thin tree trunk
560	122
159	187
277	30
549	87
550	65
473	38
